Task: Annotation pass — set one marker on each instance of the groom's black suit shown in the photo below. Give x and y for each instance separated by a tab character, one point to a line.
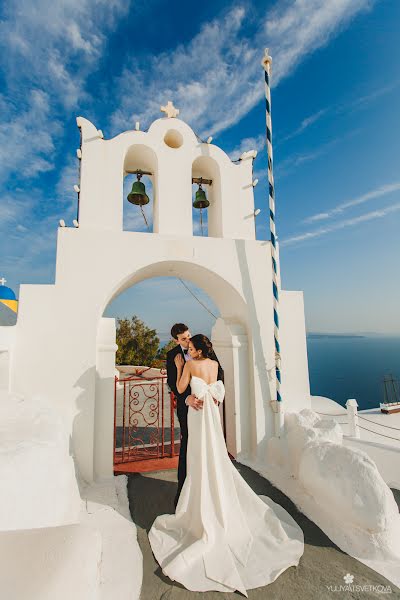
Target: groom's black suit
182	411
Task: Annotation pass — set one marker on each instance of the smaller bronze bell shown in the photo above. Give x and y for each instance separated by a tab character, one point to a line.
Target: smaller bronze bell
201	199
138	195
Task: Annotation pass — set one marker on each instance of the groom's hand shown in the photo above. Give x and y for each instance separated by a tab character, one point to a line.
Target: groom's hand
194	402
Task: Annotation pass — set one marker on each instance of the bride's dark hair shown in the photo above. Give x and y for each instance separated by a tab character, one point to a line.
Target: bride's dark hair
201	342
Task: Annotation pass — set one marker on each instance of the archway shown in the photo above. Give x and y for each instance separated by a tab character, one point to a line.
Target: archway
146	425
230	303
230	339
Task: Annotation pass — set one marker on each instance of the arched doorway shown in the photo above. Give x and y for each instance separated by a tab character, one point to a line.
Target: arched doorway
146	425
229	336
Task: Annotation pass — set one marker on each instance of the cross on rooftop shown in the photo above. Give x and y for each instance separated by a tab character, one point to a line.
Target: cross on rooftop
3	281
170	110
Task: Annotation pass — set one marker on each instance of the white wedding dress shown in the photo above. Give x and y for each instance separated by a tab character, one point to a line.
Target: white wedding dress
223	536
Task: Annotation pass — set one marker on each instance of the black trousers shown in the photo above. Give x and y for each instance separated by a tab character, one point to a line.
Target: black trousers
182	411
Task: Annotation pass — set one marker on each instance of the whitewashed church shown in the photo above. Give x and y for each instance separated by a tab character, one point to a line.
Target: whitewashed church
62	345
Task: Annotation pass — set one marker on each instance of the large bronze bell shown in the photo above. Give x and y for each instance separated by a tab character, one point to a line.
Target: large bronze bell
138	195
201	199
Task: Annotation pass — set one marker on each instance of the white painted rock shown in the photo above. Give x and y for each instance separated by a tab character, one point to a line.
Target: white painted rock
349	484
305	427
60	563
39	487
277	453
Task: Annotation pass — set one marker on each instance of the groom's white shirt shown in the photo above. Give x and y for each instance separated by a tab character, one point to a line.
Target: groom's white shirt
186	354
187	357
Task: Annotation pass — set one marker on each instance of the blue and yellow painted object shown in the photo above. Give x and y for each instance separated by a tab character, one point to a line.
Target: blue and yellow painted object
7	296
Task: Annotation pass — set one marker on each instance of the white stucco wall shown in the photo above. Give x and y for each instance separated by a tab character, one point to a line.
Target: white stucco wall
7	342
292	330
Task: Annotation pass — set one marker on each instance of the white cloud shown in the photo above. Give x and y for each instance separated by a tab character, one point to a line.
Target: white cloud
28	251
47	50
10	210
356	104
382	190
246	144
216	78
69	176
364	101
375	214
285	166
26	138
307	122
55	44
303	26
193	76
134	221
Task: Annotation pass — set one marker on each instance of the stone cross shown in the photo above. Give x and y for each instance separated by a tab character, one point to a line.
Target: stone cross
170	110
3	281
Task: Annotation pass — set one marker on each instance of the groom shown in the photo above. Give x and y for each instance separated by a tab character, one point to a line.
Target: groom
181	334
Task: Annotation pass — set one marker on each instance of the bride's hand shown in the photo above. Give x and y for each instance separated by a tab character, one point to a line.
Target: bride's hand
179	362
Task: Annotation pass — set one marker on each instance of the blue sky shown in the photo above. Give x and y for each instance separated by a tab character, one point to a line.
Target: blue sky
335	99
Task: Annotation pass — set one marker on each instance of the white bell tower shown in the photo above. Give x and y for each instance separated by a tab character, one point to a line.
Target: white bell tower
64	347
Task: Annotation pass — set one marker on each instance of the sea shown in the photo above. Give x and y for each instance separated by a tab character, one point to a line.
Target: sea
350	366
343	366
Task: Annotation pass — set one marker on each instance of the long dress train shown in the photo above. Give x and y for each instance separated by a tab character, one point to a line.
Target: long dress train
223	536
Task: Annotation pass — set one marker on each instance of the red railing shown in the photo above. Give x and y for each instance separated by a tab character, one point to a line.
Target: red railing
144	417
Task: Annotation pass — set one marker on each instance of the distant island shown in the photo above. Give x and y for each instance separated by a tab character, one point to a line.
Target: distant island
334	335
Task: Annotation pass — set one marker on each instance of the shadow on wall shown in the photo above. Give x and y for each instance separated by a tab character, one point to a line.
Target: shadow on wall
265	375
83	437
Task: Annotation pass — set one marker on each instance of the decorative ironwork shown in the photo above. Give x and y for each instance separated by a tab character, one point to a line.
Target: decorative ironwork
144	419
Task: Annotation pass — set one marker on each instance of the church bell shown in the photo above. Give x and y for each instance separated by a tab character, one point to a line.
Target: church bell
138	195
200	200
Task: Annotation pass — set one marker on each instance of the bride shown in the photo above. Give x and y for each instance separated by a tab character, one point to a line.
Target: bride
223	536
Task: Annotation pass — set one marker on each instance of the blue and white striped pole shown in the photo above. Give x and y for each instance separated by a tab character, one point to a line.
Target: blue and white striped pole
276	403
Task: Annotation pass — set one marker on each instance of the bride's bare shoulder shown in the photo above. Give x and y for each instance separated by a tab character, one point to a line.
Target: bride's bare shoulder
214	365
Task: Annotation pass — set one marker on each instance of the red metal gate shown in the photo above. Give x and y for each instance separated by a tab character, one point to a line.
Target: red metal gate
144	419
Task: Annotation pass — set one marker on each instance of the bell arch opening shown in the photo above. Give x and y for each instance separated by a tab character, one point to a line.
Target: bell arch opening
207	213
139	188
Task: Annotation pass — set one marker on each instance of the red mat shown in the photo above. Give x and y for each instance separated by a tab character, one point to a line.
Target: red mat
150	464
145	466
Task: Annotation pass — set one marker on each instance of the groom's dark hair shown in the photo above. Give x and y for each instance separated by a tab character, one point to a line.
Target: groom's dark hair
177	329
